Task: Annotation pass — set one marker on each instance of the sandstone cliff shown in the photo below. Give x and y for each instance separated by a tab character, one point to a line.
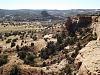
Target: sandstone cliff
88	59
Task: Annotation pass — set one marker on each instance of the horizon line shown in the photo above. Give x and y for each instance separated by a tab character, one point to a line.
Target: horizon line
51	9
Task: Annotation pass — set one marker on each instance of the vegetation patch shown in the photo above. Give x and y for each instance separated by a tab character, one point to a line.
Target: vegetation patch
3	59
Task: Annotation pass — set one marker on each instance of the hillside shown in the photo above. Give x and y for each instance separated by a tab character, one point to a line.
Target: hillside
48	42
31	15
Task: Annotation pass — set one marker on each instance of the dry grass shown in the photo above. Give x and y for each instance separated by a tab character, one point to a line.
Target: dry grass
39	44
10	28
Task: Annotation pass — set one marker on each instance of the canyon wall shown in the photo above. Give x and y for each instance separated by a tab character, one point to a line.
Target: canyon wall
88	59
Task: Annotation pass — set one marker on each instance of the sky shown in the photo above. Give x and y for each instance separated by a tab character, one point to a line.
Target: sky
50	4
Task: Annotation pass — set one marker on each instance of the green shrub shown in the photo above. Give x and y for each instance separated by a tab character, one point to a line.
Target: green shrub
7	34
59	39
3	59
15	70
32	44
8	41
66	70
13	44
49	50
95	36
29	58
34	38
17	48
44	53
70	40
14	40
22	54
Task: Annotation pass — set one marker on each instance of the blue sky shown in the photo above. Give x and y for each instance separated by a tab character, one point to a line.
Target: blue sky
49	4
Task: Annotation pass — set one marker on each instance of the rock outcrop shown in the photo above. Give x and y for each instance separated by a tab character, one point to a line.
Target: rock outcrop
54	69
74	23
88	59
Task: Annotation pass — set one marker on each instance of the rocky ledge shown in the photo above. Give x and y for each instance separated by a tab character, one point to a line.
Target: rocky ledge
88	59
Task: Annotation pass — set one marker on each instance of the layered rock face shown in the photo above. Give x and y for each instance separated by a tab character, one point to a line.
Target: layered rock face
84	21
88	59
74	23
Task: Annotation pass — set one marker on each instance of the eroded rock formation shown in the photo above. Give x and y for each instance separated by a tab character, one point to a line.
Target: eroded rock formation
74	23
88	59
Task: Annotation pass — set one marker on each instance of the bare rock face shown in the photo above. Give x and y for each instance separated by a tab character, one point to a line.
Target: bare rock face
27	70
88	59
84	21
96	26
74	23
